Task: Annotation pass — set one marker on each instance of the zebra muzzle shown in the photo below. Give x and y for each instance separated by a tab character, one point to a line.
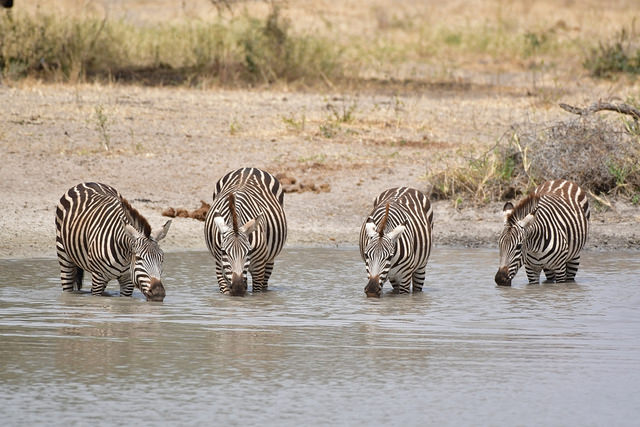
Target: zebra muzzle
238	285
156	290
502	277
373	288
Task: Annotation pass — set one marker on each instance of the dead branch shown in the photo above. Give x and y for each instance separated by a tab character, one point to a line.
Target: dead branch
603	106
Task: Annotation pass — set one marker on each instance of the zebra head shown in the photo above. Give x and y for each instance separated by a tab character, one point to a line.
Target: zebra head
235	249
146	261
378	252
513	244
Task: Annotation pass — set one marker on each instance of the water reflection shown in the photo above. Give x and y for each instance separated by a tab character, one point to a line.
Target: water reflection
555	297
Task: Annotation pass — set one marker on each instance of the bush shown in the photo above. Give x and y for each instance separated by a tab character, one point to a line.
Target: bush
601	156
271	53
246	48
620	56
46	46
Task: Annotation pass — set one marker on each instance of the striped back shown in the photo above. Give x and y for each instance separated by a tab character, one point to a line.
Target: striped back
568	191
546	229
245	228
396	237
97	230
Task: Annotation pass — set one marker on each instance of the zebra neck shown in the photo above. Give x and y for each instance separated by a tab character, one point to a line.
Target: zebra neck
135	218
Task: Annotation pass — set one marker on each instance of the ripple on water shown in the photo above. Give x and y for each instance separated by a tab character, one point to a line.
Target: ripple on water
315	350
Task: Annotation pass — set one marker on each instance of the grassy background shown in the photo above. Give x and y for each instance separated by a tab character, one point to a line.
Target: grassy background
359	45
313	43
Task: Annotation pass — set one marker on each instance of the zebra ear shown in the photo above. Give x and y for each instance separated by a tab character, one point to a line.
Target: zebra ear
370	228
220	223
250	226
507	210
527	220
162	233
396	232
132	232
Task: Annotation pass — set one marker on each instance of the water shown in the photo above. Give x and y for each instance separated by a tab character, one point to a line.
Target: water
315	351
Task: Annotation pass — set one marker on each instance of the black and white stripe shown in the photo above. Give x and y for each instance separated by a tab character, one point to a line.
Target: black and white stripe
98	231
245	229
395	240
546	232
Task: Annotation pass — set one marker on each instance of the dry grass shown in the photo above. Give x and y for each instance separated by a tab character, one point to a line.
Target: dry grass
242	49
309	43
379	46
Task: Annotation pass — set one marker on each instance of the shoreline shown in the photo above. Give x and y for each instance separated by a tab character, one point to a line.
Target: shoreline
169	146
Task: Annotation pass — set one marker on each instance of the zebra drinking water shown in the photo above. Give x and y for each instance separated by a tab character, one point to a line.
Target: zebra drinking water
245	229
395	240
97	230
545	231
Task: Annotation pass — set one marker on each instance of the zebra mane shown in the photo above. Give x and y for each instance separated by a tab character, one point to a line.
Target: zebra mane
135	218
524	208
383	223
234	214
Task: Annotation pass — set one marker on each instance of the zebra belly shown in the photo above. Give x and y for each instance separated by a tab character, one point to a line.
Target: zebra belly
102	267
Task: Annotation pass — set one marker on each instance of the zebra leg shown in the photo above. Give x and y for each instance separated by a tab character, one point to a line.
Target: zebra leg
70	274
258	276
561	274
394	284
550	275
98	284
258	282
533	274
405	285
222	283
572	268
418	278
268	269
126	285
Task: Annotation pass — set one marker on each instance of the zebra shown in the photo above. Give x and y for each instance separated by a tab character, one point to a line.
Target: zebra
97	230
395	240
245	229
545	231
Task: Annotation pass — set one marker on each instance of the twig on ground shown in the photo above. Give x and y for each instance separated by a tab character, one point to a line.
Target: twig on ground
603	106
602	200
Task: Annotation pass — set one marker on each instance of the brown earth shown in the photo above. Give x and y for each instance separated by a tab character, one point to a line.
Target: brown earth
166	147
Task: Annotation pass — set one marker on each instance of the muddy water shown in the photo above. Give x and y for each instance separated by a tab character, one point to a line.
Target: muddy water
315	351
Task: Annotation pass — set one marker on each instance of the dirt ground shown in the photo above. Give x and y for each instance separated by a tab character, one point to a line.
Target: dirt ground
166	147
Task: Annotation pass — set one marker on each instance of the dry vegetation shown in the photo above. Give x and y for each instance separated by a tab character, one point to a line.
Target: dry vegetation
363	49
313	44
601	154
